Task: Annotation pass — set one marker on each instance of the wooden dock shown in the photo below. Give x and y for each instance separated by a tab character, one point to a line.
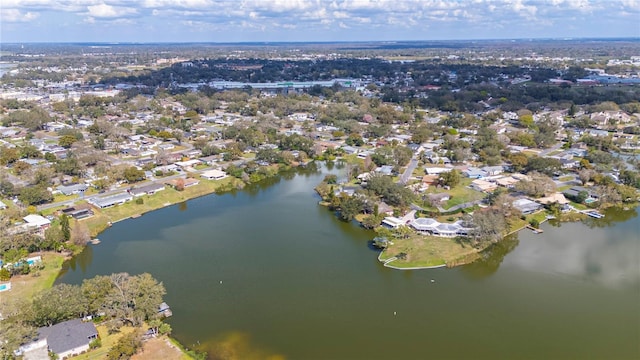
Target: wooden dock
535	230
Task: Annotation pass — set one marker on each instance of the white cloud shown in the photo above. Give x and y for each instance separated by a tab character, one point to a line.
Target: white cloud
15	15
108	11
310	15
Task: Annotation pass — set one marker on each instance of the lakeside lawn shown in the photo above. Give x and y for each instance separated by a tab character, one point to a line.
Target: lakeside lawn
26	286
424	251
169	196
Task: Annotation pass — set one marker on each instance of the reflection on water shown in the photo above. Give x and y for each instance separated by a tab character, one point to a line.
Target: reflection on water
491	258
607	251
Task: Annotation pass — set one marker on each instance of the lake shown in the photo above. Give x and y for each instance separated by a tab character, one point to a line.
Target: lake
267	272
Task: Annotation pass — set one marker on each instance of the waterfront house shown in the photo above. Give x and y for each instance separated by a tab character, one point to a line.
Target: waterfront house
213	174
149	189
111	200
428	226
526	206
392	222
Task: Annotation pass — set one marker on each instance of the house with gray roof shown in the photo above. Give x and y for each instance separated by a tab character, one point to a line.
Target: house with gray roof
149	189
526	206
111	200
66	339
72	189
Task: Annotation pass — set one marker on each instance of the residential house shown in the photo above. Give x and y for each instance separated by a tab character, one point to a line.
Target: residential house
65	339
493	170
553	198
385	170
213	174
149	189
433	227
474	173
439	198
72	189
36	222
526	206
392	222
111	200
483	186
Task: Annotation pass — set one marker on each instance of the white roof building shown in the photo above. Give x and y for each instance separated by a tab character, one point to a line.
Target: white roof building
36	221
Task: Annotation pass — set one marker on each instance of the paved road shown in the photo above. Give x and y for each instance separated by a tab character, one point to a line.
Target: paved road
408	171
551	149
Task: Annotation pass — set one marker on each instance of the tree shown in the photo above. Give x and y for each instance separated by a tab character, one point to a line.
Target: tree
80	233
402	155
350	206
59	303
133	299
65	227
450	178
8	155
20	167
547	166
538	186
133	174
35	195
180	184
490	225
66	141
127	346
95	292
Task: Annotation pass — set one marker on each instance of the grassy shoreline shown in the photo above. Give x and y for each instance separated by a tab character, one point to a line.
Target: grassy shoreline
428	252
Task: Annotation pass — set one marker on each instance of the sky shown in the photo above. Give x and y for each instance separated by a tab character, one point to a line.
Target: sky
312	20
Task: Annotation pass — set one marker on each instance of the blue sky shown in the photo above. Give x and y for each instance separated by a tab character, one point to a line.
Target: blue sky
312	20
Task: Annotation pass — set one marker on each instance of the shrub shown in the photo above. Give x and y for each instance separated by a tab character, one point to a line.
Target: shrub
139	201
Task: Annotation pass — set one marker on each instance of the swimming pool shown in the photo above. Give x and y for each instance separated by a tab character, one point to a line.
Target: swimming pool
5	287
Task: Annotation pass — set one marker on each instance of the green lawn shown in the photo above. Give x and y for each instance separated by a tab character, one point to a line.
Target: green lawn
423	251
108	340
25	286
459	194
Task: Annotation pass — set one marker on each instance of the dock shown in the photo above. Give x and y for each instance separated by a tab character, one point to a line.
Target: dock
593	214
535	230
164	310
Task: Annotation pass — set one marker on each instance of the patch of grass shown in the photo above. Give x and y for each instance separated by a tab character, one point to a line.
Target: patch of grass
25	286
62	197
425	251
108	340
459	194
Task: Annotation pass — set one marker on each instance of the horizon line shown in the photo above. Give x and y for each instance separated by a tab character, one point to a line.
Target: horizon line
564	38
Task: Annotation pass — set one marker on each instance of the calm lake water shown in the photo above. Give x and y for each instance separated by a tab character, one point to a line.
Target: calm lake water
268	272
